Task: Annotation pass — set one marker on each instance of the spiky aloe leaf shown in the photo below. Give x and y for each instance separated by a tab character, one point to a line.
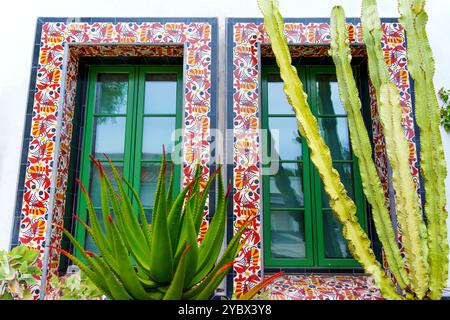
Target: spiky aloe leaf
230	253
256	289
212	285
175	290
203	196
188	236
135	241
97	232
175	214
142	216
212	242
409	214
169	200
126	270
127	220
421	65
343	207
348	92
95	271
161	254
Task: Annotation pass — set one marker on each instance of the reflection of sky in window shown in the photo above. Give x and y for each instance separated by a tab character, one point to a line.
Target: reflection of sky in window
337	104
278	102
337	140
110	134
111	93
157	131
289	146
160	97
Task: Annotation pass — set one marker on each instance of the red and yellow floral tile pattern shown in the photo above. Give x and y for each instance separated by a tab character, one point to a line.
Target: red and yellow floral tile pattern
51	129
247	38
321	287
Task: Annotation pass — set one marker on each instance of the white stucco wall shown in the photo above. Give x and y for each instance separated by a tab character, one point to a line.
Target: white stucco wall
17	28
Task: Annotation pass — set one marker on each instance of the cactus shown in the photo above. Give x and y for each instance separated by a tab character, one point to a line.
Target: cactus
340	51
408	212
433	168
426	247
343	207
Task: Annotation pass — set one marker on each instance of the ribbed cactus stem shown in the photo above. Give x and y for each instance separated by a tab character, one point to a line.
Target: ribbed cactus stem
421	65
343	207
408	210
340	51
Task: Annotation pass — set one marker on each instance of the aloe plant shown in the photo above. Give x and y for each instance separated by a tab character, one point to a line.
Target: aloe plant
426	247
163	260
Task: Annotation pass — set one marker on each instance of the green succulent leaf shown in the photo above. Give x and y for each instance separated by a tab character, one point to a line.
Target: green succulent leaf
175	290
161	254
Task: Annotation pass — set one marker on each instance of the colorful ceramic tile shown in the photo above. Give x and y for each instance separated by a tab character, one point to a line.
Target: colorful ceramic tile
321	287
51	129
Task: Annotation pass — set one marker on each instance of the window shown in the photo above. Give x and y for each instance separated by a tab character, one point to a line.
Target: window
131	112
300	229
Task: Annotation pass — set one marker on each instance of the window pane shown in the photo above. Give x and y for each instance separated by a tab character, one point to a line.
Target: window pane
112	91
109	137
335	244
289	144
149	179
278	103
94	182
286	187
160	93
157	132
346	172
328	101
287	235
336	135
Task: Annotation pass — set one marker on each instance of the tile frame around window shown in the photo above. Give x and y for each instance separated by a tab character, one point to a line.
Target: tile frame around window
51	100
245	36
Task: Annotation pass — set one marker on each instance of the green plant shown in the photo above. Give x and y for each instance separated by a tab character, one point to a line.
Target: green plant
343	207
444	95
426	247
162	260
433	166
17	273
74	286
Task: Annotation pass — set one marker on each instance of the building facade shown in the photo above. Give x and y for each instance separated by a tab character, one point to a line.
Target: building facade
122	86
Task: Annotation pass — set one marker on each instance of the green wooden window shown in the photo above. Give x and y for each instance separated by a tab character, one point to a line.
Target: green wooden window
300	229
131	111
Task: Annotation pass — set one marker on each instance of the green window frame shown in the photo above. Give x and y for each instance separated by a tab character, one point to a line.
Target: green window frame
134	116
314	205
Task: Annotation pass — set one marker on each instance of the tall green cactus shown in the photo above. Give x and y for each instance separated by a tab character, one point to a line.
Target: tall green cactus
427	261
343	207
340	51
426	250
422	68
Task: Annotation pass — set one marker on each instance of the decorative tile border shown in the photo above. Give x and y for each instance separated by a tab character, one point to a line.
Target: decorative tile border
60	44
245	38
321	287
